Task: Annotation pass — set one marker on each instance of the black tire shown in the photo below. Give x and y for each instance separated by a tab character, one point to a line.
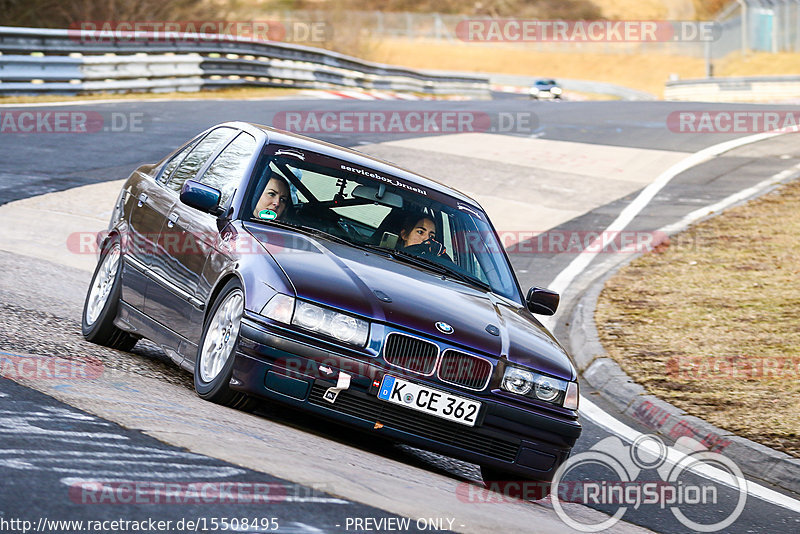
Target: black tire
216	388
102	330
507	482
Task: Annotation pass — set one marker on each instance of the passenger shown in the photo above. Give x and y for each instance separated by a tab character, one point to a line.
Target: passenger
273	200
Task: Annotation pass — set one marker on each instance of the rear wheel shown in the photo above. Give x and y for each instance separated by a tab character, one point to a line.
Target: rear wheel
102	302
213	366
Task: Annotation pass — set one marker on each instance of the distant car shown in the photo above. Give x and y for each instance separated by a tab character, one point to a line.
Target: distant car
319	306
545	89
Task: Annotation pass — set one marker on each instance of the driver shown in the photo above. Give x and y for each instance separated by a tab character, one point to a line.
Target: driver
273	200
418	236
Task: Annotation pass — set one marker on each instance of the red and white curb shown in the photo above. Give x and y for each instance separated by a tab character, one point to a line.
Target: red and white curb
372	95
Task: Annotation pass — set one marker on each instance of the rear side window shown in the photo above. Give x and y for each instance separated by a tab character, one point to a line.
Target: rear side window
191	164
227	171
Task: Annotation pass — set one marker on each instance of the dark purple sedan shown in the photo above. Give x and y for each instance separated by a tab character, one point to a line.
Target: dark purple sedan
273	266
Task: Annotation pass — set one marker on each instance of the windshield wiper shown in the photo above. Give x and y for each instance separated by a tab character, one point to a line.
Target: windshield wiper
326	235
433	265
313	231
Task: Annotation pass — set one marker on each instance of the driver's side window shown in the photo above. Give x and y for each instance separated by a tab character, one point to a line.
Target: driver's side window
194	161
170	167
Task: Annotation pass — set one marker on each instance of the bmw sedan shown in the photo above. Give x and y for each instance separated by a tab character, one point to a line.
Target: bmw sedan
274	266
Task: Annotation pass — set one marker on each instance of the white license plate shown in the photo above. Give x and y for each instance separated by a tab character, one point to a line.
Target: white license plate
429	400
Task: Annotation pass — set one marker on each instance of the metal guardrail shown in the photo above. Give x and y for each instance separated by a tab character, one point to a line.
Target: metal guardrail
35	60
739	89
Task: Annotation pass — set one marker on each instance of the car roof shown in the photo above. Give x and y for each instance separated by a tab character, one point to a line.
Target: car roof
282	137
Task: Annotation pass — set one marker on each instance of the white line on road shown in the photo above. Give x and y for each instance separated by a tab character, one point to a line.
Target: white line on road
591	411
698	214
579	264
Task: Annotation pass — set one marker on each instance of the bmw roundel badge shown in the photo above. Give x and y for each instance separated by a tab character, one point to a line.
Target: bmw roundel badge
444	328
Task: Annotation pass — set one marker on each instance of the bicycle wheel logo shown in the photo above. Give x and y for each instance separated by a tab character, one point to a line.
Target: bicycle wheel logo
679	485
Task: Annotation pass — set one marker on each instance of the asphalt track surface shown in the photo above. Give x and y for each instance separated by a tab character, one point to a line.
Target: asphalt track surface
37	482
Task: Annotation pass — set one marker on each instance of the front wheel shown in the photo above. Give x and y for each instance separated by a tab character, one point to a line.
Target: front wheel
213	366
102	302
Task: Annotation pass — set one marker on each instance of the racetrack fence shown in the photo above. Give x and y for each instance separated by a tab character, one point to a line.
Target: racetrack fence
35	60
742	26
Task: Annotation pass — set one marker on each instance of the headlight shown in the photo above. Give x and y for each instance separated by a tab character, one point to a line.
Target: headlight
308	316
556	90
542	387
345	328
517	381
546	388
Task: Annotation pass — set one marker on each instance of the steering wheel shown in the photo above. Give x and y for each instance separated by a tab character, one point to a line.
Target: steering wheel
349	231
428	249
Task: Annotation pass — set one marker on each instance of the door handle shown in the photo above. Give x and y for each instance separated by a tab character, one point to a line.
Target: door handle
142	200
173	218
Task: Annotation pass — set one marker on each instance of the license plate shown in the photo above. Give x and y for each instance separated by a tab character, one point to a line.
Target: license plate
429	400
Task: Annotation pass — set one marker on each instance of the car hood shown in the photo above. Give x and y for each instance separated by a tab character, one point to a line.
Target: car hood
359	281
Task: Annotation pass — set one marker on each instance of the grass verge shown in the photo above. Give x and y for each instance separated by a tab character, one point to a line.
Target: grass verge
713	327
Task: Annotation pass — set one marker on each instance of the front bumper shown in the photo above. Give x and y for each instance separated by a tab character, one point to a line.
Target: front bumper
272	365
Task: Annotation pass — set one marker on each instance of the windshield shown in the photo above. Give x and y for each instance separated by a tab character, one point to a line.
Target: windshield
368	209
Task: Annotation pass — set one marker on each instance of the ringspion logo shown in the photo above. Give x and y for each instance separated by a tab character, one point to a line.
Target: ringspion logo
673	489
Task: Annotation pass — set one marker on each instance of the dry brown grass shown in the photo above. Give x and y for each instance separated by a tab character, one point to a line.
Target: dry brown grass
759	64
646	72
638	71
695	324
632	9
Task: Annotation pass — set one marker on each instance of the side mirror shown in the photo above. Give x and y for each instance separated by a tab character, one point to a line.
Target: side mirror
542	301
201	197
